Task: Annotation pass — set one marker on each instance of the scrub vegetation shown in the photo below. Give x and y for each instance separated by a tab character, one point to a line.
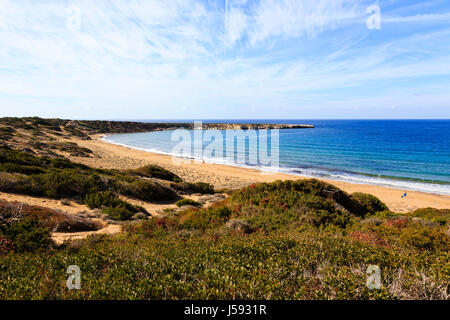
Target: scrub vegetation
282	240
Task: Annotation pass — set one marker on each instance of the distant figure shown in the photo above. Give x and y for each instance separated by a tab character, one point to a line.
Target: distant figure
404	195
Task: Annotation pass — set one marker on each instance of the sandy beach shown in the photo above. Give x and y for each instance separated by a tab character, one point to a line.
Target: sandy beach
113	156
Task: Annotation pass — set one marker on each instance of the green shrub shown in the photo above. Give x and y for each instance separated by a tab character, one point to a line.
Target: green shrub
291	204
60	178
63	184
440	216
197	187
385	214
115	208
187	202
308	194
28	170
147	191
206	218
120	213
154	171
338	218
371	203
27	235
15	183
100	199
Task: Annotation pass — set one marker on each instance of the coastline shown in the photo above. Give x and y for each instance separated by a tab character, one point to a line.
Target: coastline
113	156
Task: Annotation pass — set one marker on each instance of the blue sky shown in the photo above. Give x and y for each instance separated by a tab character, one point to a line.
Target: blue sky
227	59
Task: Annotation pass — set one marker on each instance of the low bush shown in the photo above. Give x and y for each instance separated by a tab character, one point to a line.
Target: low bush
425	239
119	213
154	171
371	203
59	178
27	235
197	187
147	191
150	263
187	202
291	204
442	216
206	218
28	170
111	205
102	199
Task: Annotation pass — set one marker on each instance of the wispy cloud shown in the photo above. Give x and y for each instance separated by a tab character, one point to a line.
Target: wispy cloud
159	59
438	17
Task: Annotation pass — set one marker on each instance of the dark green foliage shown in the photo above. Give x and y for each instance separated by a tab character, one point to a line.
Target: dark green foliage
147	191
28	170
197	187
27	235
154	171
371	203
187	202
19	158
24	231
102	199
58	184
122	212
111	205
60	178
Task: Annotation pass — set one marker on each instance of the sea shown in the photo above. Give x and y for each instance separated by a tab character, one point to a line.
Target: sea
402	154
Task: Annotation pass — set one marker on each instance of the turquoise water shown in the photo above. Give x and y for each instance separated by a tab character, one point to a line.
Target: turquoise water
407	154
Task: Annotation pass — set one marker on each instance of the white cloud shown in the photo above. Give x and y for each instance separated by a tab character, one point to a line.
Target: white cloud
237	23
149	58
291	18
439	17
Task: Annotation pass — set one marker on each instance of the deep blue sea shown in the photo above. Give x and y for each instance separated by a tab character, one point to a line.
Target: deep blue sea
406	154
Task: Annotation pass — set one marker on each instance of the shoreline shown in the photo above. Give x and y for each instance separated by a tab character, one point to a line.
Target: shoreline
387	180
222	176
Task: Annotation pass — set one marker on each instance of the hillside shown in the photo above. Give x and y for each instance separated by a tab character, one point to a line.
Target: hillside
282	240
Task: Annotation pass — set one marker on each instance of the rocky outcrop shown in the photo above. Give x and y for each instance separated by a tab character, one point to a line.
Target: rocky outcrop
254	126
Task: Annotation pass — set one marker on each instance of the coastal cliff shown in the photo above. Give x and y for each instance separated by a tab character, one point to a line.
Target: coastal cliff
50	137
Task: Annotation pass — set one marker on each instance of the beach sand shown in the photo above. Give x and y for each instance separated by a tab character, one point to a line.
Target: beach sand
113	156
